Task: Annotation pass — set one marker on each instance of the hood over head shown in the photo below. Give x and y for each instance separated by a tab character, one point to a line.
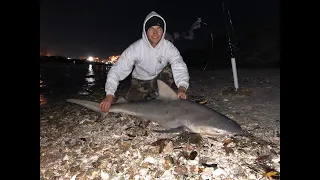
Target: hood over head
146	25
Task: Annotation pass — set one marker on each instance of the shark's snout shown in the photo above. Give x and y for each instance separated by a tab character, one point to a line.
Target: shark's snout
232	127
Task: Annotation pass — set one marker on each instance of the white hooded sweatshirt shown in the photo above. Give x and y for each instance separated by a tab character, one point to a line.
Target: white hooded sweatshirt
147	61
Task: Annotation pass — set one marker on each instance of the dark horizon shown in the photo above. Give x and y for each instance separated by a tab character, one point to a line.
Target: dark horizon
103	28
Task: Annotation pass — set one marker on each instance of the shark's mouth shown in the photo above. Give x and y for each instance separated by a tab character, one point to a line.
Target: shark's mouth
208	131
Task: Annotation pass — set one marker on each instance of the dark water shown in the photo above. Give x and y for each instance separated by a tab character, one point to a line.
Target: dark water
61	79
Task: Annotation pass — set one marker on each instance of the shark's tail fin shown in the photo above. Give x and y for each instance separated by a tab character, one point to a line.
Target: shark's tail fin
90	105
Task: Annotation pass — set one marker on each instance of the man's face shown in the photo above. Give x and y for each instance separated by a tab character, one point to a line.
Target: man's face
154	34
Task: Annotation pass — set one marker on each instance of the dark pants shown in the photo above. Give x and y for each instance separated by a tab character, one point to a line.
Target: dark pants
146	89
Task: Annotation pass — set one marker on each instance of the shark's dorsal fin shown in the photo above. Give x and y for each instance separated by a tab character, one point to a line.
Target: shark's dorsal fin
165	92
121	100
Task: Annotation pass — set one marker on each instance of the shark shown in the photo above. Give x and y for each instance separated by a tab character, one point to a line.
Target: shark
172	113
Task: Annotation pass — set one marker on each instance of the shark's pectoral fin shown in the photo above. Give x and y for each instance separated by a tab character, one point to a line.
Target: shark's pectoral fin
176	129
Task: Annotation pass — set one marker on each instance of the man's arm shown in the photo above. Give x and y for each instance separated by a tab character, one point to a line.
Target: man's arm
179	68
120	70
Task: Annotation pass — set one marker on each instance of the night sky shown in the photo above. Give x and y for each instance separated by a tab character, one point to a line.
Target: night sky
74	28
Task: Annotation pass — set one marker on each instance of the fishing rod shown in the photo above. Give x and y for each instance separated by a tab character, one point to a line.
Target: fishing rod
231	42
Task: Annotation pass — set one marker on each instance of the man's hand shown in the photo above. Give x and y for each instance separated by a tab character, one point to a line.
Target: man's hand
182	92
106	103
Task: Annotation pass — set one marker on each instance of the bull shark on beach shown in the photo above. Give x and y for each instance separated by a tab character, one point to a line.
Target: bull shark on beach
172	113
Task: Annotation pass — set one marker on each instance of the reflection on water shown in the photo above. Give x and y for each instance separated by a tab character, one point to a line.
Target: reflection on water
43	100
41	83
58	79
90	71
90	81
